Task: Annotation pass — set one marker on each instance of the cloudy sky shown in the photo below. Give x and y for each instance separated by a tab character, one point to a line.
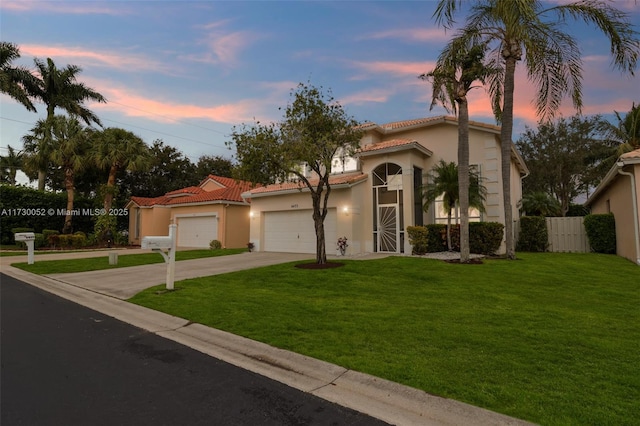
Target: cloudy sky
186	72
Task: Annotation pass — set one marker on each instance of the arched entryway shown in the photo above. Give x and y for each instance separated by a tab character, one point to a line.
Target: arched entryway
388	223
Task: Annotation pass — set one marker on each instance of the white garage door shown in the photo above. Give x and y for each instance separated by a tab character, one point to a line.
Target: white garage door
197	231
293	231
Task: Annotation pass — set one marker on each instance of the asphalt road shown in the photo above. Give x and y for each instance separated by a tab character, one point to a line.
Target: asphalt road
64	364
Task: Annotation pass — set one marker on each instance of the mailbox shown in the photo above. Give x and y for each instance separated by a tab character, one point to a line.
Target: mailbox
25	236
157	243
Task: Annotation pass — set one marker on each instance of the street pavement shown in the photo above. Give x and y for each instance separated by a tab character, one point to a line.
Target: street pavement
106	292
64	364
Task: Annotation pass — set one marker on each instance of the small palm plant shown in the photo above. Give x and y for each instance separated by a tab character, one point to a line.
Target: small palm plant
443	181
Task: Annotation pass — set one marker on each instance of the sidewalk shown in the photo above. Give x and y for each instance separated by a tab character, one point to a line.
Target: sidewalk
105	291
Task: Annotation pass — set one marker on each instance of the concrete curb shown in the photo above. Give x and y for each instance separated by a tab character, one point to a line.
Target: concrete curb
391	402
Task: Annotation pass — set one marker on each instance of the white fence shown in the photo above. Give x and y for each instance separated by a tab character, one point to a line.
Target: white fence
566	234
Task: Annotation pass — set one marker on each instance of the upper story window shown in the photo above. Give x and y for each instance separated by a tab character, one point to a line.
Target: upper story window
342	162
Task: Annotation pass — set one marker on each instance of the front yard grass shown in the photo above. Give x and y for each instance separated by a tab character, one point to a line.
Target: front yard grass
551	338
99	263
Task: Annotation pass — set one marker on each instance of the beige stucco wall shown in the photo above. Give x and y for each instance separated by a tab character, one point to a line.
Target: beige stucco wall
617	199
153	221
233	221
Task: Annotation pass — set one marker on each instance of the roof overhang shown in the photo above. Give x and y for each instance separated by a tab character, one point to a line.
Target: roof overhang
300	187
395	148
628	159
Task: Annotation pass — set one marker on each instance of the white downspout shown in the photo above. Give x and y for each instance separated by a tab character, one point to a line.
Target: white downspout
634	200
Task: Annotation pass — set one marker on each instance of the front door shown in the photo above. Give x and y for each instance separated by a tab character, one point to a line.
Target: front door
388	228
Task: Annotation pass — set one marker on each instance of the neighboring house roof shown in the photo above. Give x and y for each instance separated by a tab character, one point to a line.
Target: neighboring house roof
625	159
229	191
336	182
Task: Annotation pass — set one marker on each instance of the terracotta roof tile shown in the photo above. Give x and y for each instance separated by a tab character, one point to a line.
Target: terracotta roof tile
231	192
290	186
387	144
631	154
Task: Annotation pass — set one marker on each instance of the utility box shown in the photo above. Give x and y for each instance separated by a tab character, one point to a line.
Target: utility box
157	242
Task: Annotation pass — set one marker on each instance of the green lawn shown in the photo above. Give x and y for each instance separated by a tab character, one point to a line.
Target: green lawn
551	338
99	263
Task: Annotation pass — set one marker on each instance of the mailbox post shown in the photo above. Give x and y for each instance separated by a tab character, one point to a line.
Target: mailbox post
29	238
159	243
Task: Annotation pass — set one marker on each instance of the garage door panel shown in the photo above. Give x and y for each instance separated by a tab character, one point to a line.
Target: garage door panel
294	231
197	231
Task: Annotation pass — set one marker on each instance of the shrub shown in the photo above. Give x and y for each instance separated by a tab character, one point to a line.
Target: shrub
485	237
601	232
417	239
54	240
78	240
436	238
215	245
65	240
39	242
533	235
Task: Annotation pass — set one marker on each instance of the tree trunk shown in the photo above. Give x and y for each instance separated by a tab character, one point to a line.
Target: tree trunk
68	184
463	177
318	222
506	142
110	188
449	231
41	180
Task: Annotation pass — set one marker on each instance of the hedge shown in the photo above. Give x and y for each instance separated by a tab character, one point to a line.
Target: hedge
533	234
484	238
601	232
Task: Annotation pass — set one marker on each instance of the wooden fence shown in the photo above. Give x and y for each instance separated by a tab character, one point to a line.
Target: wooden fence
566	234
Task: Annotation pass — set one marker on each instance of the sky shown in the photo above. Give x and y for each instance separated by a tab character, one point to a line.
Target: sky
187	72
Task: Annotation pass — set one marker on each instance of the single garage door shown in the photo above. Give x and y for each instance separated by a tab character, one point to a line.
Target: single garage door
293	231
197	231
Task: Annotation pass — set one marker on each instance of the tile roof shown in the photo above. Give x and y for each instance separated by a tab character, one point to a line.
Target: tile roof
393	145
631	154
334	180
230	192
418	122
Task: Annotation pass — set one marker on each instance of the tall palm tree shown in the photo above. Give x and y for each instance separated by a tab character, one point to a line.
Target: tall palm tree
10	164
523	29
59	88
15	81
116	150
443	182
457	68
37	147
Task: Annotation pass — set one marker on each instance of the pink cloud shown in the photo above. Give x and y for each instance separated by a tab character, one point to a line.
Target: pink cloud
396	68
376	95
103	59
411	34
75	8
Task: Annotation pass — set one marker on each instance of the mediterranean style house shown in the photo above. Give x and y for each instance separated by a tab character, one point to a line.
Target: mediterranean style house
213	210
619	193
376	192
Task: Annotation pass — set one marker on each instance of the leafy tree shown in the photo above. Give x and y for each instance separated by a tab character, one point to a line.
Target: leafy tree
169	170
566	157
117	150
540	204
214	165
443	182
523	29
9	165
15	81
457	68
314	129
59	88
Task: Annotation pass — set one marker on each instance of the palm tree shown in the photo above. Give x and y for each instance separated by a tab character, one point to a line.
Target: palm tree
457	68
626	135
15	81
443	182
540	204
116	150
523	29
58	88
38	146
10	164
67	147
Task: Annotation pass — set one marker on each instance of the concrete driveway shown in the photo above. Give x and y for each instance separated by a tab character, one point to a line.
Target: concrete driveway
123	283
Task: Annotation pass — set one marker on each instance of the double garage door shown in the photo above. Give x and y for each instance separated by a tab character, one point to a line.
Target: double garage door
294	232
197	231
